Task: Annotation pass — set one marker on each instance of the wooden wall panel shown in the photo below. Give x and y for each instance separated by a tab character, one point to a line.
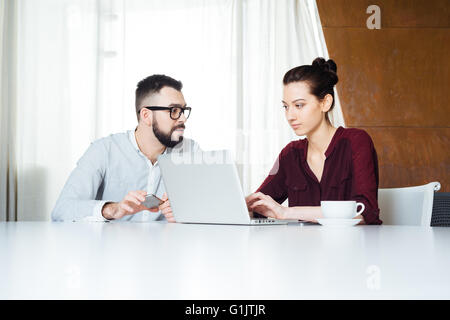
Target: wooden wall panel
412	156
394	13
394	83
392	77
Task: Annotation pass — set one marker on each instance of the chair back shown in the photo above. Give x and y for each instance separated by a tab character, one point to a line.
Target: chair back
441	210
411	206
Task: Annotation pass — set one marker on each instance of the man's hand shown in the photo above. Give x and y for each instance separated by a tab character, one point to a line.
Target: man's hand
131	204
265	205
166	209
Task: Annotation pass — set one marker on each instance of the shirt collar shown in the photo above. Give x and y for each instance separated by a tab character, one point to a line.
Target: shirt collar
331	146
132	138
334	141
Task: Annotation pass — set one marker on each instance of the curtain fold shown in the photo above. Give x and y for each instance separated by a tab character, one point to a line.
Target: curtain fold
78	63
8	107
58	52
277	36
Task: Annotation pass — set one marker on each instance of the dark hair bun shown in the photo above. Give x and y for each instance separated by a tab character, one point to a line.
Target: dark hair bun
328	68
321	63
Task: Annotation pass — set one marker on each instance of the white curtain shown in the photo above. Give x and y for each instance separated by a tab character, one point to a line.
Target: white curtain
277	36
79	62
8	70
57	87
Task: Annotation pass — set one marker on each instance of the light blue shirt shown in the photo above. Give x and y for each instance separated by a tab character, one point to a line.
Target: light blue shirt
109	169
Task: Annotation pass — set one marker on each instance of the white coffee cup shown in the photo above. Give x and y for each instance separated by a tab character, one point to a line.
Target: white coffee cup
341	209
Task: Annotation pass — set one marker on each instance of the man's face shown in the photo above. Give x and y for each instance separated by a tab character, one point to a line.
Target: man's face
167	130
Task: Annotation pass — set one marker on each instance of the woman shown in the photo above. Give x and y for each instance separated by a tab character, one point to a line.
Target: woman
330	164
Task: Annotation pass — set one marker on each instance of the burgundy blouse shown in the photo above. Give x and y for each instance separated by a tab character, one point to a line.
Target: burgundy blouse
350	173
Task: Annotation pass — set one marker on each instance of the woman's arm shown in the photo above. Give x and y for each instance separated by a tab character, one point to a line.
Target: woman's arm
265	205
365	176
310	214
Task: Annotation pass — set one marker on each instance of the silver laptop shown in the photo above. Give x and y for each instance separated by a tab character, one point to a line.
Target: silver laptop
204	187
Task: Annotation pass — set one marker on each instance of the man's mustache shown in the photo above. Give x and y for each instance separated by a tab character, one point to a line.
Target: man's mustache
178	127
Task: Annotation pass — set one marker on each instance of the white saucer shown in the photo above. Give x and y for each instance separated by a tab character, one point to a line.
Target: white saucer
339	222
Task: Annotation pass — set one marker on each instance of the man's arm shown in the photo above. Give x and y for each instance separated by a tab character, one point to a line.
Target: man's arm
77	198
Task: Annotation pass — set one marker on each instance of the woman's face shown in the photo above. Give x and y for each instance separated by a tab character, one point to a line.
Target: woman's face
303	111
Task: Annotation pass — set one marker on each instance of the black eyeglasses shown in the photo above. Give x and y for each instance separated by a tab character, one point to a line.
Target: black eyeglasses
175	112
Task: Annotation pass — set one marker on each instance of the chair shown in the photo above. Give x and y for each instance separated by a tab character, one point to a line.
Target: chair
441	210
407	206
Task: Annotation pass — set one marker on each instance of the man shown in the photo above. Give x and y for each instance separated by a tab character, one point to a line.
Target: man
115	174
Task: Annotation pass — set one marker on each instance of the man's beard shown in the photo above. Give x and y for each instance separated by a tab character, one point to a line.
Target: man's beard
166	138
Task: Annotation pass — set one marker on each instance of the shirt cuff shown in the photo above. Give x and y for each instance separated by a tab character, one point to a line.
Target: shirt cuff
97	213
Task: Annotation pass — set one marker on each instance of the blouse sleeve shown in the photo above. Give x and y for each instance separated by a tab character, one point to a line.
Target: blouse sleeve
274	185
365	176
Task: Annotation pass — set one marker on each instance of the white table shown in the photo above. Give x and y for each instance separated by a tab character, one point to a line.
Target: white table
44	260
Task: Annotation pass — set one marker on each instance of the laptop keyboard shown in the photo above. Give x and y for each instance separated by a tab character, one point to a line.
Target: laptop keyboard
263	221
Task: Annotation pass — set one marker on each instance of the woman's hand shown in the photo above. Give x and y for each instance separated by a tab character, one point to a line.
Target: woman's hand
265	205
